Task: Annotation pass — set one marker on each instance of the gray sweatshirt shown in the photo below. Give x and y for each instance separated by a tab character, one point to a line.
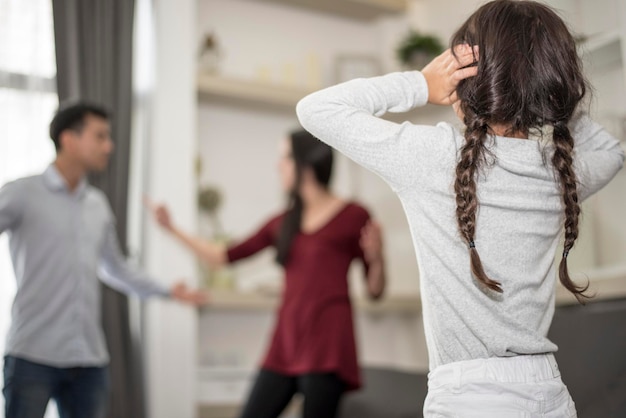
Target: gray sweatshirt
519	221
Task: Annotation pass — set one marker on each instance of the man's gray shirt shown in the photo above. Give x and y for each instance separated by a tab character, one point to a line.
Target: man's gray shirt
61	242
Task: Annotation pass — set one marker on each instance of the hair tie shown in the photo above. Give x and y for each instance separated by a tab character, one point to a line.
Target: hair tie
565	253
472	245
543	134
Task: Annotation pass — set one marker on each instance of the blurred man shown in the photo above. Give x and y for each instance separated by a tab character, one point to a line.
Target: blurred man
62	238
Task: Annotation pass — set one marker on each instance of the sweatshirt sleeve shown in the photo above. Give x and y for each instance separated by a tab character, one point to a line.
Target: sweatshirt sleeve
347	117
598	155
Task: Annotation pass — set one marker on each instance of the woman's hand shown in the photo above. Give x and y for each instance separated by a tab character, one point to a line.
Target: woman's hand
444	73
212	253
161	214
372	246
372	242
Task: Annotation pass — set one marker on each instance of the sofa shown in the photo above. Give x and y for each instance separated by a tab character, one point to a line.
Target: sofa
591	357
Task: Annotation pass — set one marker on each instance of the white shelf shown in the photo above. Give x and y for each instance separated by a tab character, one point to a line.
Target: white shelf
240	301
249	92
353	9
223	410
606	282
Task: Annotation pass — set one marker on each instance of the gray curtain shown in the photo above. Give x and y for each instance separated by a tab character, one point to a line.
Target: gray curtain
94	40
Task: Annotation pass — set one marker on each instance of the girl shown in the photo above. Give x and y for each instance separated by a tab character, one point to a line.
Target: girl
487	205
313	349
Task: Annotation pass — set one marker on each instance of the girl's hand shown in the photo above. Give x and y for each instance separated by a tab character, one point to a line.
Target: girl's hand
444	73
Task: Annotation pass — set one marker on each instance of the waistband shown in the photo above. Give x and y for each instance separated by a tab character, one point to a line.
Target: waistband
516	369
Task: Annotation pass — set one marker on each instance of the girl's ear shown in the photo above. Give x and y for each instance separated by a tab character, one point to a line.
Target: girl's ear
456	106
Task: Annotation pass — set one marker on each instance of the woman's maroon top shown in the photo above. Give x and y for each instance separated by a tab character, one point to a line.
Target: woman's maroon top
314	331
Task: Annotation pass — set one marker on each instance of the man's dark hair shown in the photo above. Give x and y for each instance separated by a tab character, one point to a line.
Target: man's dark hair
72	116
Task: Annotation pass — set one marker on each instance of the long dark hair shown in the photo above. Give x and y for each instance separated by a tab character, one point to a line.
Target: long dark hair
529	76
307	152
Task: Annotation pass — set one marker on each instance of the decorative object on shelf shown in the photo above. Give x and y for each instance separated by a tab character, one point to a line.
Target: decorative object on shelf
313	72
209	55
348	67
289	75
264	74
416	49
209	202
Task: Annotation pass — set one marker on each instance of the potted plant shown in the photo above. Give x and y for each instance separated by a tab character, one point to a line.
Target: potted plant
209	202
417	49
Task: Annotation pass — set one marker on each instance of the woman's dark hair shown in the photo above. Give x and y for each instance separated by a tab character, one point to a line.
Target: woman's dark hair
307	152
529	75
72	116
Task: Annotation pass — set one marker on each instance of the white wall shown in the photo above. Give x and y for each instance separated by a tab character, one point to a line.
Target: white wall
171	329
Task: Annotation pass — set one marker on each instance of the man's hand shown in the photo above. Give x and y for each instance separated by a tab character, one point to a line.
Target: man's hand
444	73
372	242
182	293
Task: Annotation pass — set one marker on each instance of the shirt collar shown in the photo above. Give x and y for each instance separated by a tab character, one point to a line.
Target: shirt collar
55	181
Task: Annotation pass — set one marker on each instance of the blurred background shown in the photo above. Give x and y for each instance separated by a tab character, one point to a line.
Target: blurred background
214	86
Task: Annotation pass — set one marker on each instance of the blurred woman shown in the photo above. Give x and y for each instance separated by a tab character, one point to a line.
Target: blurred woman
316	238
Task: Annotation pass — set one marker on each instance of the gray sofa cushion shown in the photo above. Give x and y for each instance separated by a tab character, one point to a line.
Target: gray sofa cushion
592	356
386	394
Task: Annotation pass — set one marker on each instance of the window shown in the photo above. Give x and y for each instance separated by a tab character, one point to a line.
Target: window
27	102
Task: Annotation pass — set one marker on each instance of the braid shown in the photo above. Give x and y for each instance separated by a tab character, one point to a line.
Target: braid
563	165
472	155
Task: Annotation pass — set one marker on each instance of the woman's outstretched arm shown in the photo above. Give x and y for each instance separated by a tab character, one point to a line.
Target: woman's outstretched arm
214	254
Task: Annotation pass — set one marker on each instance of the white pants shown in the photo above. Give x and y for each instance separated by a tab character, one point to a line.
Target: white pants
505	387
